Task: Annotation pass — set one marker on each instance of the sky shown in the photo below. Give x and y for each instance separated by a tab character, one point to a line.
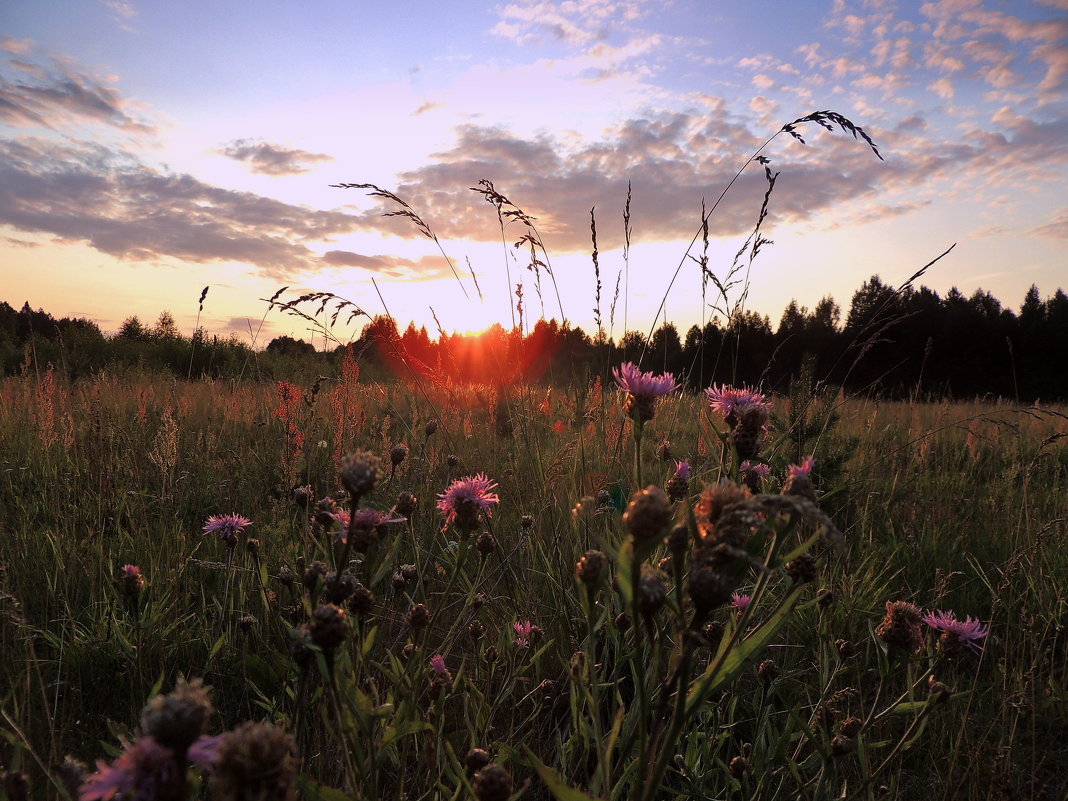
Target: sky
150	148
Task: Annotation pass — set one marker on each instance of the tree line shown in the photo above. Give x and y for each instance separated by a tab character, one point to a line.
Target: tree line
894	342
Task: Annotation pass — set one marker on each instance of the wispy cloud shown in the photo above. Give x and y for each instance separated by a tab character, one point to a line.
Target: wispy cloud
53	95
269	159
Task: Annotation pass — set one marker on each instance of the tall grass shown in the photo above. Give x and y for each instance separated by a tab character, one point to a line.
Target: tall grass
492	596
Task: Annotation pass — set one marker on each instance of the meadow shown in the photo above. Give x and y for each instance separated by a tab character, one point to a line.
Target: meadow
583	638
594	586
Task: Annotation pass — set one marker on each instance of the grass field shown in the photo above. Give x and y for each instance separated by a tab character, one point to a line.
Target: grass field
804	694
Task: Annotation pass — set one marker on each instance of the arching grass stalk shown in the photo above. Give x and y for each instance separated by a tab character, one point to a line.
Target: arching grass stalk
825	119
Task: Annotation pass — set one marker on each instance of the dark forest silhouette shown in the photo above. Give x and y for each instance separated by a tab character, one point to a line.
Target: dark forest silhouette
904	342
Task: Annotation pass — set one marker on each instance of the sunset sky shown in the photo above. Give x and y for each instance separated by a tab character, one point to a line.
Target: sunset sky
149	148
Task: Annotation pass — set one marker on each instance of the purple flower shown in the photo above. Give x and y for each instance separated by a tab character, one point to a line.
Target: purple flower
682	471
465	498
740	601
437	664
143	771
756	468
522	633
727	400
226	526
968	631
367	519
630	378
205	750
804	468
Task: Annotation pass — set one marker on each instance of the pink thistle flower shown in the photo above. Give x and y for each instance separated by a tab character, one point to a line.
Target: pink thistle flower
437	664
143	771
740	601
522	632
341	517
131	572
228	527
630	378
465	498
804	469
727	400
682	471
756	468
968	631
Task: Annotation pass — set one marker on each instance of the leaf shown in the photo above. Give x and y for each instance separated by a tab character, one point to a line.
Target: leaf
406	729
560	790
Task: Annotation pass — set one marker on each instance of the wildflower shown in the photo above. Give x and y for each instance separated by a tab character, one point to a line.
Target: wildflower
799	481
406	504
708	586
651	590
228	527
956	634
177	719
329	627
900	628
522	633
648	514
678	486
145	769
643	390
740	601
486	543
493	783
365	527
733	402
465	498
419	616
753	473
803	569
588	569
359	472
255	761
768	671
398	454
132	581
715	501
476	759
361	601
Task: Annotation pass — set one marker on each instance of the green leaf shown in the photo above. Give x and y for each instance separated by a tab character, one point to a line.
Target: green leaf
560	790
406	729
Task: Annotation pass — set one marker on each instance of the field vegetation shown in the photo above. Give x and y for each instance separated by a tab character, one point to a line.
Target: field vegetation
589	582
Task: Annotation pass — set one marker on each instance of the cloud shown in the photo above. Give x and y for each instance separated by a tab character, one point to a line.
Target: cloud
86	192
54	95
1056	228
425	107
268	159
575	23
426	267
19	47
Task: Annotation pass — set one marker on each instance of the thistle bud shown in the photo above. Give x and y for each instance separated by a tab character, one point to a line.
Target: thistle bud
648	514
329	627
590	566
359	472
418	616
493	783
